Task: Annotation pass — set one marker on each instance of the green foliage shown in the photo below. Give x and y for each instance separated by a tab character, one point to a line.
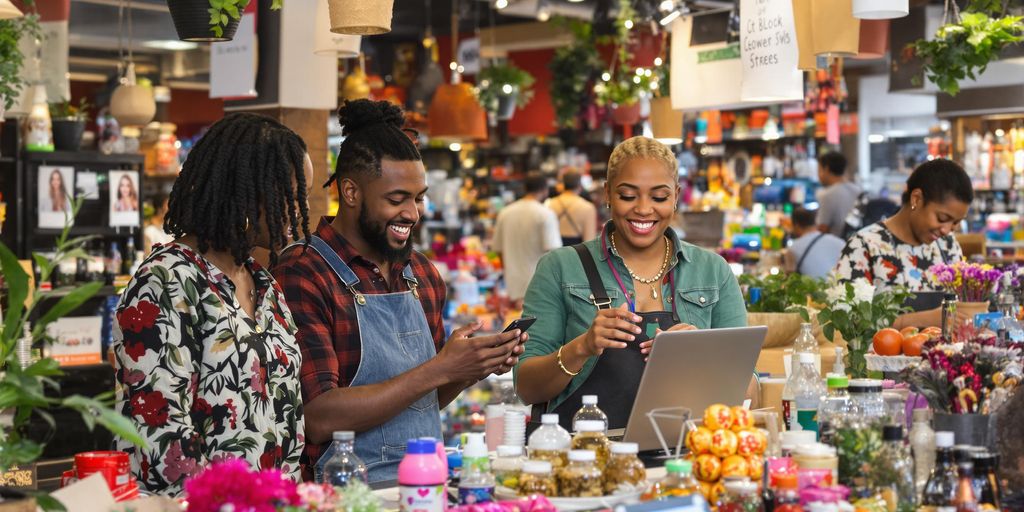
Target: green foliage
962	51
572	69
624	86
493	78
11	58
23	390
783	293
223	11
64	109
858	318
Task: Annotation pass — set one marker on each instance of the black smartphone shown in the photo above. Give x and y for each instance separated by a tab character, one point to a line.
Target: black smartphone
523	324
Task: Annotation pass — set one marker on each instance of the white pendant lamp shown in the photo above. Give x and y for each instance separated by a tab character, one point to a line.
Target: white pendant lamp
880	9
325	42
8	10
131	103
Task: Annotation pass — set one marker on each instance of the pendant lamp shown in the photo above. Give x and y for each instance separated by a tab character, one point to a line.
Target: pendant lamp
666	124
455	112
880	9
326	42
355	86
874	39
360	17
836	33
131	103
8	10
421	92
804	25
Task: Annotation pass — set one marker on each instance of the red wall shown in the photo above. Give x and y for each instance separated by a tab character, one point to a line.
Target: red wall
538	117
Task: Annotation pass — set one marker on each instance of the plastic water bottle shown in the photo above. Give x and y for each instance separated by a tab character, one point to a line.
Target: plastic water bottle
590	412
550	442
802	394
805	343
341	464
477	483
834	405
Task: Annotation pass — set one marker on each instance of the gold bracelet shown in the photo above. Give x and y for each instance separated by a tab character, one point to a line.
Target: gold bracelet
562	366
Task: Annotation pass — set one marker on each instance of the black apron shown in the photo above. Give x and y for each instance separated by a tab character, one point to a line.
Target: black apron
615	378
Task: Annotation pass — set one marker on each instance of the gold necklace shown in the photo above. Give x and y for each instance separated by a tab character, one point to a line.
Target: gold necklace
653	280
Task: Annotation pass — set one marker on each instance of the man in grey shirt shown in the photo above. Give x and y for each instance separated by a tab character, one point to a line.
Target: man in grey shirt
839	196
812	253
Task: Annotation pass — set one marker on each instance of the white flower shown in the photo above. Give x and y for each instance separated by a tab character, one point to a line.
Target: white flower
836	294
863	290
841	306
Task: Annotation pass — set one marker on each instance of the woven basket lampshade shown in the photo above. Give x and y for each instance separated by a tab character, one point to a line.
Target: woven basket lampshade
880	9
666	124
874	39
132	104
8	10
456	114
325	42
360	17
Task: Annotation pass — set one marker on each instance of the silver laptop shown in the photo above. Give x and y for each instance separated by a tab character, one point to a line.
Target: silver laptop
692	369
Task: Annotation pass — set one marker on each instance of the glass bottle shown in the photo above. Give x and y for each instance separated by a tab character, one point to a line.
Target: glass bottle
550	442
834	405
624	467
340	465
806	343
949	305
986	484
590	436
838	367
892	472
508	466
801	395
940	491
922	442
965	500
858	434
678	481
581	478
589	412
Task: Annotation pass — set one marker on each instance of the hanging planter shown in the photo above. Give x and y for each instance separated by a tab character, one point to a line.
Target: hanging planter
68	124
193	20
626	115
502	88
132	104
360	17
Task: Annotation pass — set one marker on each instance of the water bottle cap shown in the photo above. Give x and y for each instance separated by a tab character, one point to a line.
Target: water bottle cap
865	386
679	466
421	447
582	456
838	381
590	426
589	399
806	358
344	435
625	448
944	439
537	467
549	419
510	451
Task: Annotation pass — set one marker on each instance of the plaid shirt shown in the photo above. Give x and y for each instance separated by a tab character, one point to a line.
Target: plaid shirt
325	311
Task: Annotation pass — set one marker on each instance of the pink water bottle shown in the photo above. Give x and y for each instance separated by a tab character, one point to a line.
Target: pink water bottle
422	478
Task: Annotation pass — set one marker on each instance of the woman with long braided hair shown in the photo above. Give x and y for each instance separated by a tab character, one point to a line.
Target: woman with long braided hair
204	345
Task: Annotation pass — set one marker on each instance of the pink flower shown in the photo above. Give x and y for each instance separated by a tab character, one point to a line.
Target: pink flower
318	497
233	483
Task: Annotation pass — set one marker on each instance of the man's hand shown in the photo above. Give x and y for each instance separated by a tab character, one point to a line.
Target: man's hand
466	358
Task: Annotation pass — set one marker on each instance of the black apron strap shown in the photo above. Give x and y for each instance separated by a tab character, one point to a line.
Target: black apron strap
598	294
807	252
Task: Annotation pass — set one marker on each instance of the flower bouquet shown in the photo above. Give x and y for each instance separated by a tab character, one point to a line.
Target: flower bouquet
971	282
857	311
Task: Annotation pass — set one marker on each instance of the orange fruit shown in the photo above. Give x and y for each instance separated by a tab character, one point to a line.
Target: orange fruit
718	416
708	468
699	440
755	467
724	443
887	342
747	443
909	331
735	465
932	332
912	344
762	441
717	491
741	418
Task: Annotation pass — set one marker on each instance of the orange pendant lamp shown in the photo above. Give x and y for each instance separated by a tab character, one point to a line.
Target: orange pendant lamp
874	39
455	112
666	124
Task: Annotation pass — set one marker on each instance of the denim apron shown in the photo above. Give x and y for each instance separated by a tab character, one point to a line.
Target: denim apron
395	338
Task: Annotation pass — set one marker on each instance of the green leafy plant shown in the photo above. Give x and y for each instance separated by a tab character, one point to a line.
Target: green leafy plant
504	79
622	84
855	310
64	109
223	11
11	59
572	69
783	293
962	50
23	389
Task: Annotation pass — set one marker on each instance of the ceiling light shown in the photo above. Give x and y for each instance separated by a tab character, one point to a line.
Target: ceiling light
876	138
647	73
172	45
639	71
658	61
455	146
453	66
628	24
667	5
507	89
636	80
670	18
543	15
501	4
606	76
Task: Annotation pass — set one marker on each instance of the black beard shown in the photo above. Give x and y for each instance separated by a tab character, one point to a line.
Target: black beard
376	235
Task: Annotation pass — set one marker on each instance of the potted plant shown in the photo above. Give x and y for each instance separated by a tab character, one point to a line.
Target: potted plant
11	59
621	86
781	302
502	88
857	311
572	69
68	124
23	384
209	20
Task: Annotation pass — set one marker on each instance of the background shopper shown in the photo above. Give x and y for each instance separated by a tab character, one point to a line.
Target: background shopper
525	231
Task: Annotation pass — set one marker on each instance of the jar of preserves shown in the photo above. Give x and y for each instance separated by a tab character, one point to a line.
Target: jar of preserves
537	478
508	465
678	481
624	467
740	496
551	442
581	478
591	437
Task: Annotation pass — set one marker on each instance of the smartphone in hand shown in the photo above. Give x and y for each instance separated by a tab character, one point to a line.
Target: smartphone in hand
523	324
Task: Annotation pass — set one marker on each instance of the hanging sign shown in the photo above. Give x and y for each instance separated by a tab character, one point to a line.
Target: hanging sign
703	76
233	63
469	56
769	49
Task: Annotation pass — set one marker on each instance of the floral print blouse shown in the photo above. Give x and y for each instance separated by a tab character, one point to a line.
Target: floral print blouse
201	379
875	254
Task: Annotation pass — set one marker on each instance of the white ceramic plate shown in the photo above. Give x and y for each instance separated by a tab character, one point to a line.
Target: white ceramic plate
577	504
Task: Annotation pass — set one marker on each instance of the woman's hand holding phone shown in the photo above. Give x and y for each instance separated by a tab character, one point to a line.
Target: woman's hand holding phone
612	328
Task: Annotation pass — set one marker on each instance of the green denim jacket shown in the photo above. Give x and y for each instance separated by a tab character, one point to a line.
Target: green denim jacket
707	296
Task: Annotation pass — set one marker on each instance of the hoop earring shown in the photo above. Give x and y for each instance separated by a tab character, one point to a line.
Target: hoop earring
246	228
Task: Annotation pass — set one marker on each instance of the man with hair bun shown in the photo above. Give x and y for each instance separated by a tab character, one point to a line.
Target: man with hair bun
369	308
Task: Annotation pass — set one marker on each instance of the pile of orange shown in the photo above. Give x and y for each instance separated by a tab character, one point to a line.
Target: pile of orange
727	444
890	342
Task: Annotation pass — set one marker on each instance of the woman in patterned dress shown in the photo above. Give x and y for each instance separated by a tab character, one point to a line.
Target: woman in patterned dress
205	353
899	250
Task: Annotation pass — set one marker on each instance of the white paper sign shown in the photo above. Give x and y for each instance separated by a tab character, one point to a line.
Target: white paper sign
54	189
703	77
124	198
76	340
233	63
469	56
769	49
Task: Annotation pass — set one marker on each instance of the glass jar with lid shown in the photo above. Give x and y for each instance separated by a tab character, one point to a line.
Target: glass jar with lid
859	434
537	478
624	467
550	442
508	465
740	496
678	481
581	478
591	437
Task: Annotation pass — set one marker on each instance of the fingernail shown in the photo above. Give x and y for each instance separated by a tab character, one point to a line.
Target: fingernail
631	338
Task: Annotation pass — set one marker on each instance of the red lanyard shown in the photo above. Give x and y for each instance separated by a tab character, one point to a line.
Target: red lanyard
618	279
